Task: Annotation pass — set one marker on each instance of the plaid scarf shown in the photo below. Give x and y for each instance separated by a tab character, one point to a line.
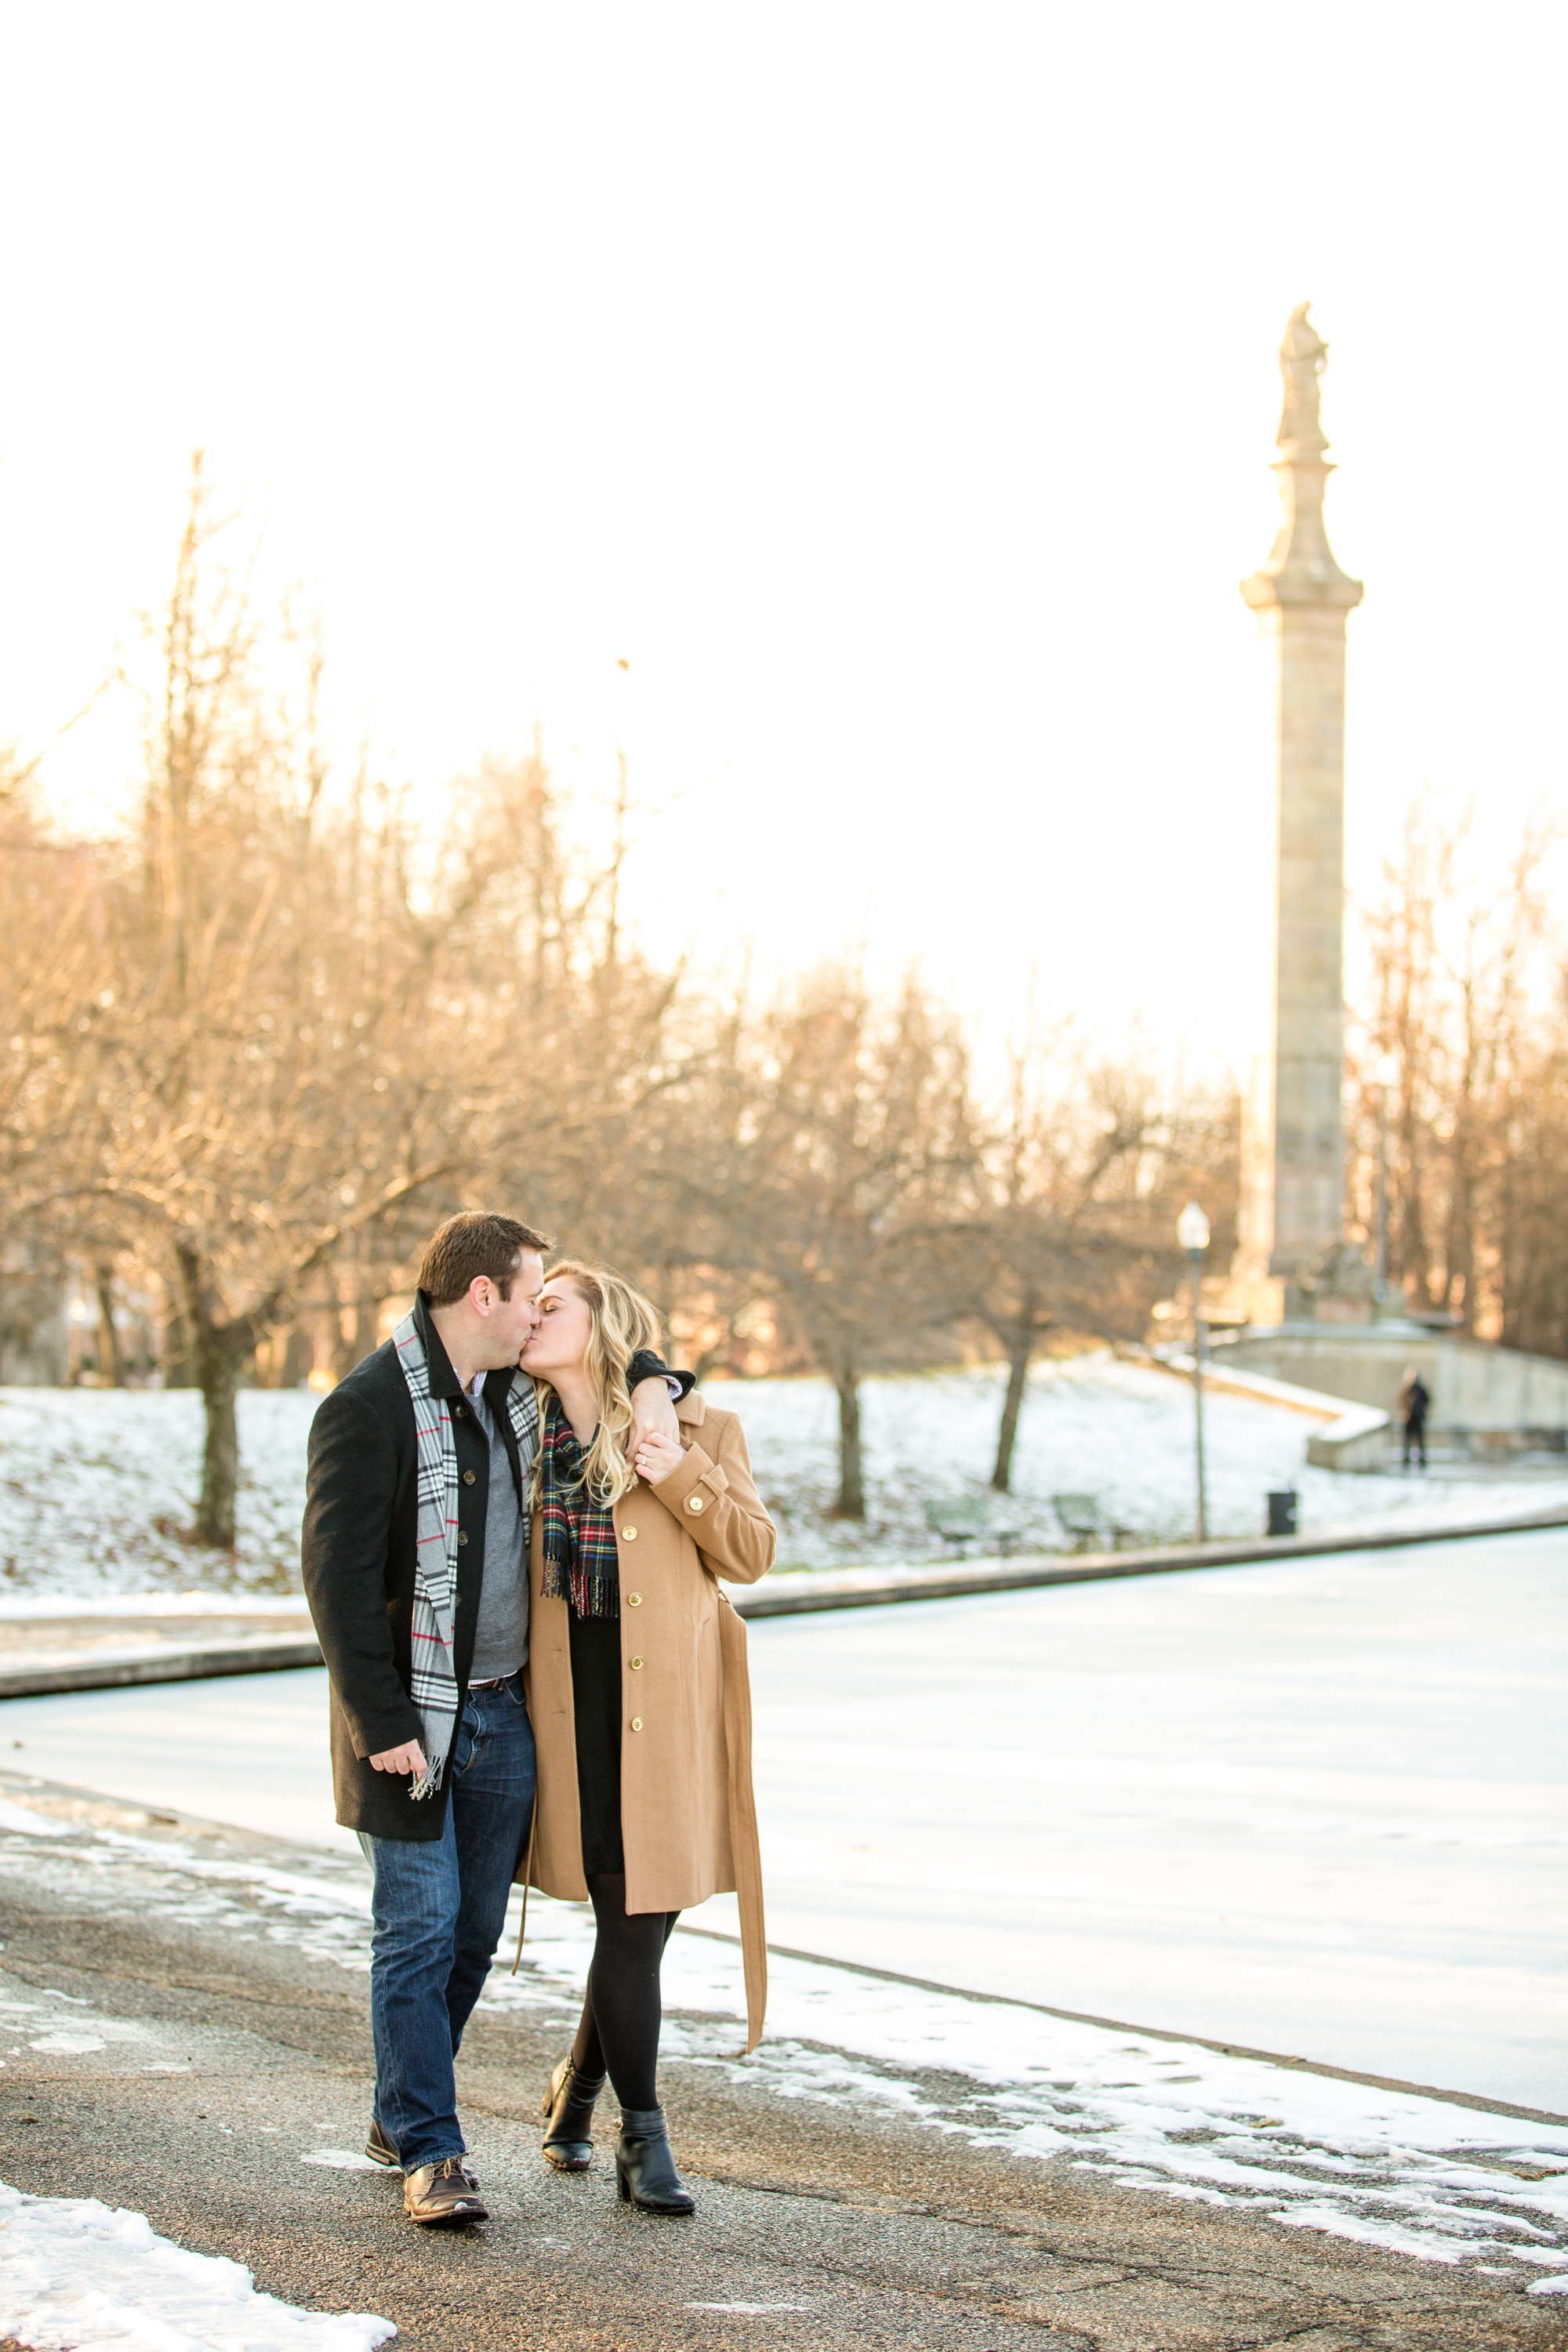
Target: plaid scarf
434	1683
581	1564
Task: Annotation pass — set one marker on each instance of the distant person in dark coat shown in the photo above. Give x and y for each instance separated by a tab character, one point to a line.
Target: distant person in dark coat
1414	1398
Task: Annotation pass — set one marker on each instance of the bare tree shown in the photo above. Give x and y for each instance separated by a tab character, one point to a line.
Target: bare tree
1453	959
1078	1182
833	1131
1531	1245
1073	1228
255	1042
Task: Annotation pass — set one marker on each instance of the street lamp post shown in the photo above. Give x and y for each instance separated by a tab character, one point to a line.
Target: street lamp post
1192	1233
1387	1079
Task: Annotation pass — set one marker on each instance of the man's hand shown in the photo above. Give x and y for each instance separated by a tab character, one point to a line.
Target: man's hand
657	1457
409	1757
653	1415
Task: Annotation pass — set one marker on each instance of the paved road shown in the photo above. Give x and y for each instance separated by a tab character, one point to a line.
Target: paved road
1315	1808
204	2059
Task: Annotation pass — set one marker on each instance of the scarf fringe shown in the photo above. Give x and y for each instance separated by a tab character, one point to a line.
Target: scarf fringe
593	1592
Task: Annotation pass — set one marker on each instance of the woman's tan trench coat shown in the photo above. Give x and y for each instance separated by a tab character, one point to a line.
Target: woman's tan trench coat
688	1819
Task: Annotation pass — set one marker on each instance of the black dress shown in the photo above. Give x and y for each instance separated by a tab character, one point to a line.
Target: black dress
596	1706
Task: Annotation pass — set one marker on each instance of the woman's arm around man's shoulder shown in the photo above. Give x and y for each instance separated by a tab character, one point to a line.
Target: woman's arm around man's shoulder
714	1497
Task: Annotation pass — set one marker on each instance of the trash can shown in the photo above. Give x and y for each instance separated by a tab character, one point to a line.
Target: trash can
1282	1513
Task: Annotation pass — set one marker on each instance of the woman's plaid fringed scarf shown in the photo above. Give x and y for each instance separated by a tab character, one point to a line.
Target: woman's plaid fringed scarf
580	1563
432	1685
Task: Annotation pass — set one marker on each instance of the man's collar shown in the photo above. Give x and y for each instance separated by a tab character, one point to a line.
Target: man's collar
444	1381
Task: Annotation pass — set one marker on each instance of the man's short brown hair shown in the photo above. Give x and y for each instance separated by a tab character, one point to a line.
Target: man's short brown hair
476	1241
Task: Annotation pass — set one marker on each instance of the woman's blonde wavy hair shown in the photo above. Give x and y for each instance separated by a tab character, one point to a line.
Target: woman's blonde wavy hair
621	1320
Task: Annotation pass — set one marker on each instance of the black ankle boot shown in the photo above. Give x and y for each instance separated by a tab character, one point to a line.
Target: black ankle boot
645	2165
569	2104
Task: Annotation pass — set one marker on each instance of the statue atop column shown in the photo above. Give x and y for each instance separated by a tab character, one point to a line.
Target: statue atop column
1303	356
1302	569
1294	1257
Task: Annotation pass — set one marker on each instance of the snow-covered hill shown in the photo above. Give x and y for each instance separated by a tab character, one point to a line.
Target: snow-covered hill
97	1487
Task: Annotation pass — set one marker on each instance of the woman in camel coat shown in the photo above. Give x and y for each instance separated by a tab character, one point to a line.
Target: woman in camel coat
639	1701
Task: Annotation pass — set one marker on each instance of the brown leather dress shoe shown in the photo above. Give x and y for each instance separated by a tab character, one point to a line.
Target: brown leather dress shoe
379	2149
443	2196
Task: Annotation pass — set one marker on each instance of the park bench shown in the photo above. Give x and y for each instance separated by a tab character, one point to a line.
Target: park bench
1084	1523
1080	1518
961	1519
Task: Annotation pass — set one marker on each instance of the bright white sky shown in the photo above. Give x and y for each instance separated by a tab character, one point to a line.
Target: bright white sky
894	386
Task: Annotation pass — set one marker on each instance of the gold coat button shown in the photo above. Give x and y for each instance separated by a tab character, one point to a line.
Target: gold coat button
468	1477
634	1600
694	1502
636	1664
628	1535
637	1723
462	1535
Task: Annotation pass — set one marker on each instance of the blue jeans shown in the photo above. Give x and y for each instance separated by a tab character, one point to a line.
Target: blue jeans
438	1910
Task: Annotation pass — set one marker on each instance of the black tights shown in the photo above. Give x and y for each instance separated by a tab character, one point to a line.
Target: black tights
618	2034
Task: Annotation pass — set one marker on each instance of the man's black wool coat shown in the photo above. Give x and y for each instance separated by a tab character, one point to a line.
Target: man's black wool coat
357	1560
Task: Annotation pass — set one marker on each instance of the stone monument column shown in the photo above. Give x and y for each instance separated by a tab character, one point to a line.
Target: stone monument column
1294	1154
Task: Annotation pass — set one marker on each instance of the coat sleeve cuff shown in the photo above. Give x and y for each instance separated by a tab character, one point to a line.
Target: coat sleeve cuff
693	1488
647	1365
375	1734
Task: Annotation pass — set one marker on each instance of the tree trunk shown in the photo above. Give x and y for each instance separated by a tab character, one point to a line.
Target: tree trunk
299	1356
367	1327
1020	1350
851	1503
111	1362
220	1370
355	1333
220	1351
178	1354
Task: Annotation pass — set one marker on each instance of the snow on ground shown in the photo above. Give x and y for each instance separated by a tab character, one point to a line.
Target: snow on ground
1417	2176
74	2273
1120	1432
97	1487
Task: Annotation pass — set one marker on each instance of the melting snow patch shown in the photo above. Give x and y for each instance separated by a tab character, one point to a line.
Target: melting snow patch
1411	2175
322	1905
30	1824
342	2159
72	2272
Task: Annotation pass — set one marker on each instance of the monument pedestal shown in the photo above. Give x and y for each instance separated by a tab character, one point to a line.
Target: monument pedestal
1489	1403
